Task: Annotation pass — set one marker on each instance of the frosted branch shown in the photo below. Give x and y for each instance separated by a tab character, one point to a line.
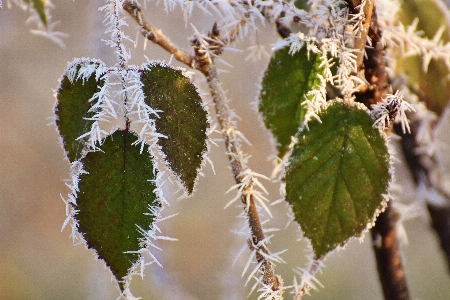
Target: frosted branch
153	34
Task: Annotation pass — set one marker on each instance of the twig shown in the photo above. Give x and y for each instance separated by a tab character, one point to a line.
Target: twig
305	285
206	66
237	167
155	35
389	260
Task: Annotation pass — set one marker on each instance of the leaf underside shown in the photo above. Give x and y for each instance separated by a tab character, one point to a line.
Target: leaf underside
286	82
72	109
113	198
337	176
182	119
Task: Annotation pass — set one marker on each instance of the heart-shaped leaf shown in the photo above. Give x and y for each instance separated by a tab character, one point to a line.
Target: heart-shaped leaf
114	199
182	119
287	80
338	175
72	108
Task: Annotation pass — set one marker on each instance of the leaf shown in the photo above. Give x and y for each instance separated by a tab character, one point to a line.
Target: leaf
301	4
285	83
432	86
182	119
114	199
73	107
39	6
337	176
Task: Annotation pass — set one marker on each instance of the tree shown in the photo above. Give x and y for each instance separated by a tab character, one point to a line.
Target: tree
323	139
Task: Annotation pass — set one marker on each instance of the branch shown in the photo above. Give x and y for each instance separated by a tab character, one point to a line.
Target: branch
306	284
440	220
238	168
205	52
384	233
389	260
367	7
373	65
439	214
155	35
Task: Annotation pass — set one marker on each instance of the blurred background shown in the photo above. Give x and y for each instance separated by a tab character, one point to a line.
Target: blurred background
39	261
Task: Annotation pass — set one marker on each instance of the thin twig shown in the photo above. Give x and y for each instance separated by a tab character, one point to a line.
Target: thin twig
207	67
305	285
237	167
155	35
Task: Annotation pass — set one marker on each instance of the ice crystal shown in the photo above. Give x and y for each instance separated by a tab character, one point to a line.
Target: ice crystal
392	108
411	43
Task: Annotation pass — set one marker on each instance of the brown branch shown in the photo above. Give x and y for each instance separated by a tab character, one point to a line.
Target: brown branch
384	234
389	260
360	42
205	64
237	167
305	287
440	221
372	64
439	215
155	35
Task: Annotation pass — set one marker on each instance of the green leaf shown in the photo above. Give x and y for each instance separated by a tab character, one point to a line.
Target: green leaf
301	4
72	107
39	6
337	176
182	119
432	86
285	84
114	199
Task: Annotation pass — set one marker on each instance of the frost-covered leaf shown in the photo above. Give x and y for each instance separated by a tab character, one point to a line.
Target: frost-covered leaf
39	6
337	177
286	82
114	199
182	119
434	84
73	107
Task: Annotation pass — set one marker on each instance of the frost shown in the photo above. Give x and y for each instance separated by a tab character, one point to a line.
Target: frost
393	107
411	43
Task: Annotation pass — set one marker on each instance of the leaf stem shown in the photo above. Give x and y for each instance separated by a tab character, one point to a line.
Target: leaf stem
388	256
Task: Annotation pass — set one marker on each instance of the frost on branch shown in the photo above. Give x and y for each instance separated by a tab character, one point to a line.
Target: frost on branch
392	108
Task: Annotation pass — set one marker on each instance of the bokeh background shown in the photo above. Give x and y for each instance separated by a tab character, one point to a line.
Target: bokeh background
39	261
